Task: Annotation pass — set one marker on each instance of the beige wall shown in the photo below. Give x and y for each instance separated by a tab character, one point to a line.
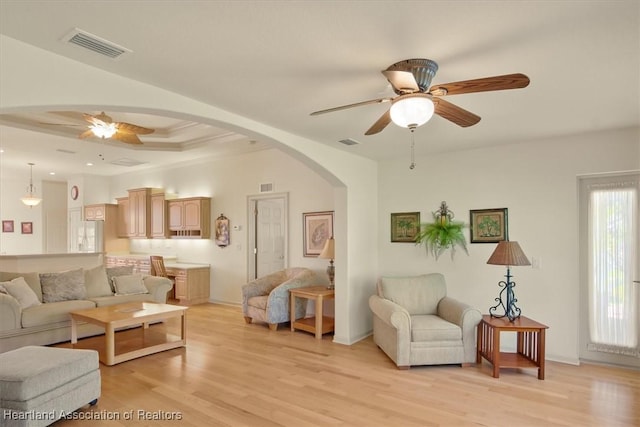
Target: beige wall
537	182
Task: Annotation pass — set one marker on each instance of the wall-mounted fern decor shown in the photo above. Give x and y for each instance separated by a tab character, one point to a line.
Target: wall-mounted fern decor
442	234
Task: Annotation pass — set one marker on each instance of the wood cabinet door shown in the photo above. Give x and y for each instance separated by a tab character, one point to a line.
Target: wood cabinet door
123	217
191	214
94	213
182	288
175	215
158	216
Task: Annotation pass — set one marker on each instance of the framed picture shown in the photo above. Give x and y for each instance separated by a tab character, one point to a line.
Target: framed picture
7	226
489	225
318	227
222	231
405	226
27	227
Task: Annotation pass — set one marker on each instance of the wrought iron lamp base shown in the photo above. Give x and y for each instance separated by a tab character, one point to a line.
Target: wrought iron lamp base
508	307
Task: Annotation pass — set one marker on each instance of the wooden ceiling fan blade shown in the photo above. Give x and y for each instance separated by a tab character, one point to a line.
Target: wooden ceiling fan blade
454	114
133	129
402	81
508	81
129	138
357	104
380	124
87	133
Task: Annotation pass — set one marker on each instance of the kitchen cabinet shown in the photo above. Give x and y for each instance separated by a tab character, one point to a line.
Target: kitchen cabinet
108	213
190	218
122	226
191	282
159	229
140	213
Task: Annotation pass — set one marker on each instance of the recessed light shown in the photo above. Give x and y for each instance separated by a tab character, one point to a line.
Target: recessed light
89	164
52	173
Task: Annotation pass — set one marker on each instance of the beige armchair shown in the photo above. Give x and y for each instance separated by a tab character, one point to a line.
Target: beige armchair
266	299
415	323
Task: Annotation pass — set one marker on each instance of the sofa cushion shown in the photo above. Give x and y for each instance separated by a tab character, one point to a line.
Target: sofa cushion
433	328
118	271
64	286
54	312
21	291
96	282
121	299
32	279
131	284
417	294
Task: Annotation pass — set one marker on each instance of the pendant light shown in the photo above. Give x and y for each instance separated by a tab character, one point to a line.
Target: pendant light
31	199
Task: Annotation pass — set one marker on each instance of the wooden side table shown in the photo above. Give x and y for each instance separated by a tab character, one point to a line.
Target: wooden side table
318	324
530	344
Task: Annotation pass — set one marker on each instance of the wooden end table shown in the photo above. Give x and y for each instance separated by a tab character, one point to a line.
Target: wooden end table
318	324
530	344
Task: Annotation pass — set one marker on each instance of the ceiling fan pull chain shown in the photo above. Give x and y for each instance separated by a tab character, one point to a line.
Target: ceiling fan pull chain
413	151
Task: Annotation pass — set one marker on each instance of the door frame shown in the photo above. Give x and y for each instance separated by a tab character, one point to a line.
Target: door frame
583	321
251	229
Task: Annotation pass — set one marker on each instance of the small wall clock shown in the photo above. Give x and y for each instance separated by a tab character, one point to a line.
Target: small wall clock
74	192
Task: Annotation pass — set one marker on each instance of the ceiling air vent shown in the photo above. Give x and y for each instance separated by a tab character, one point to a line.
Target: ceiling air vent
266	188
96	44
349	141
126	162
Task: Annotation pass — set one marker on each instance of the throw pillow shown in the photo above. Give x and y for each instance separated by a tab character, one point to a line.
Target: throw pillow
130	285
21	291
117	271
64	286
96	282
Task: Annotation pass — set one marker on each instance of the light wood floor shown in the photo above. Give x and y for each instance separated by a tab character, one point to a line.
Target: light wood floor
235	374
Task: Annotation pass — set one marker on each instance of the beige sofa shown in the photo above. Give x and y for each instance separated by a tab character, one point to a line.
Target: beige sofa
416	323
39	315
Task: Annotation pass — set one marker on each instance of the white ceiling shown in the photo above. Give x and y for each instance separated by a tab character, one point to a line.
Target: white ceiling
277	61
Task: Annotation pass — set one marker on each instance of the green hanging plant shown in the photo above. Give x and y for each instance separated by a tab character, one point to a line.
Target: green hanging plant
442	234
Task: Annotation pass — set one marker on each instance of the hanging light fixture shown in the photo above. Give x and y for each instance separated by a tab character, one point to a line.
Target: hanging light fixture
412	110
103	130
31	199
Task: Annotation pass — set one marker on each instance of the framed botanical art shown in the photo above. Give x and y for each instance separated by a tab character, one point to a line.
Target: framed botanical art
7	226
318	227
27	227
489	225
405	226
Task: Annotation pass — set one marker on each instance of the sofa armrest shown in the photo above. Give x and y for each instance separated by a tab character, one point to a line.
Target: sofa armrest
10	313
158	287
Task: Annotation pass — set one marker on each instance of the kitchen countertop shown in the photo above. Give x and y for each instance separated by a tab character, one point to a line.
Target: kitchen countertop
185	265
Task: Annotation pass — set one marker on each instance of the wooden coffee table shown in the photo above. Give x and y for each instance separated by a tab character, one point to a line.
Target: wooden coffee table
125	315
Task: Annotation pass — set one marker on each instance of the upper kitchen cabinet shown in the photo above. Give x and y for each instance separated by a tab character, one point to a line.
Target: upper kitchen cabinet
123	216
159	229
140	220
109	214
190	218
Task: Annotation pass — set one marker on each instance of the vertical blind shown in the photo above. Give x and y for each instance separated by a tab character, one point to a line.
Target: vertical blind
613	311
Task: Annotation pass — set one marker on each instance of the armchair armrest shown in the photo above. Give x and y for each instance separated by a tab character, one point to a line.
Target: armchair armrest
464	316
10	313
258	287
392	329
158	287
278	301
390	313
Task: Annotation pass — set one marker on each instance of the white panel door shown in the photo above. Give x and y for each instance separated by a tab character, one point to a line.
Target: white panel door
270	236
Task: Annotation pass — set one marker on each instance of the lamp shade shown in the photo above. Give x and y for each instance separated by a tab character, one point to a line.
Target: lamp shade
411	110
328	252
508	253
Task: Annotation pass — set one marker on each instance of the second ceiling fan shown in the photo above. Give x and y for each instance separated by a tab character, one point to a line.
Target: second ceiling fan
104	127
417	101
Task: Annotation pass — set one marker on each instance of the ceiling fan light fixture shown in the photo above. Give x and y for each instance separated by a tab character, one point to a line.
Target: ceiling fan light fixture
103	130
412	110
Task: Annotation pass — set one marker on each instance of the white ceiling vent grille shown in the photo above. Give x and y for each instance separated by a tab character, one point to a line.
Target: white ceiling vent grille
349	141
126	162
266	187
95	44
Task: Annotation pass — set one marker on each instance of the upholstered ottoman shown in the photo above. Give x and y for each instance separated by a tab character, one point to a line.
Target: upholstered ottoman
39	385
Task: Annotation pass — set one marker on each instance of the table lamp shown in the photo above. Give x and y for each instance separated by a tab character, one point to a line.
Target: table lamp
328	252
509	254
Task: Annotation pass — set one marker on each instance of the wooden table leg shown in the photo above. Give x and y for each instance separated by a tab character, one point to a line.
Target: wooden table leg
496	353
479	348
110	345
319	312
74	331
541	354
183	331
292	311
